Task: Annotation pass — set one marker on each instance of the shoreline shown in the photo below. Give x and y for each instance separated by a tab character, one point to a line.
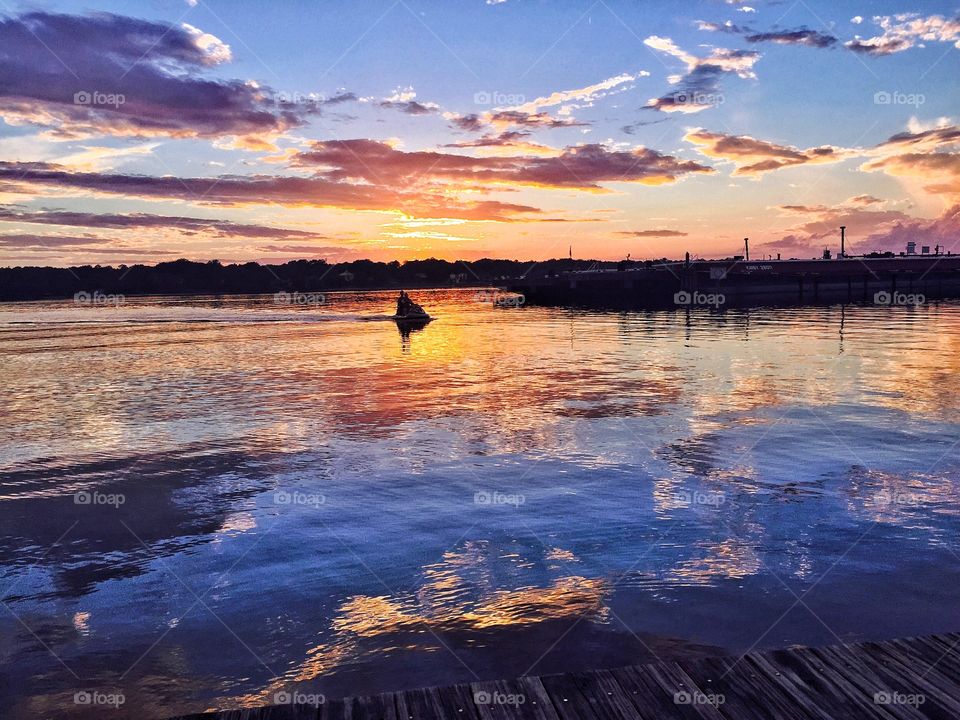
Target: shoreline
907	677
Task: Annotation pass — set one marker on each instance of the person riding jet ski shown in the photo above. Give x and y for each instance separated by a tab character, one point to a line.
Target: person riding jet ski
407	308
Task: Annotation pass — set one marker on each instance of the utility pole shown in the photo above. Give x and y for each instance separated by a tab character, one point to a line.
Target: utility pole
843	239
746	247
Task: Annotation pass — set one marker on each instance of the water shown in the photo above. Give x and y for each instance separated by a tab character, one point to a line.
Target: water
297	498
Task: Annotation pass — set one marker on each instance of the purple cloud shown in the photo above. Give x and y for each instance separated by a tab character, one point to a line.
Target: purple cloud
105	74
116	221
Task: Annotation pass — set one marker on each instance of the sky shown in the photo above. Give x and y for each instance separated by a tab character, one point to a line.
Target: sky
139	132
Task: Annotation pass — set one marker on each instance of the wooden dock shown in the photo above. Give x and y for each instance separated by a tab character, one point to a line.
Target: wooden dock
911	678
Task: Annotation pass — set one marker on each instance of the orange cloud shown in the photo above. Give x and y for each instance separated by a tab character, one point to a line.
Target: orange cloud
923	154
754	157
259	190
652	233
581	167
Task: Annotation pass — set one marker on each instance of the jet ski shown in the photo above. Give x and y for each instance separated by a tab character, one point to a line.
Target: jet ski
413	316
409	312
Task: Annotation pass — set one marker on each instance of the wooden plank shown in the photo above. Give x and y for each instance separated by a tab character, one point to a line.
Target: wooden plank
857	681
613	700
759	682
746	693
492	700
942	653
459	703
834	695
420	704
370	707
929	659
654	691
767	671
569	702
941	695
332	710
537	701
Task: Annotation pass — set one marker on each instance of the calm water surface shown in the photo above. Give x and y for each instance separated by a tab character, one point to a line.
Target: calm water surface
206	502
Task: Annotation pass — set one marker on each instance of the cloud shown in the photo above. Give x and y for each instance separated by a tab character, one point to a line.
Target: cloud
471	123
232	190
726	27
856	19
310	250
367	175
47	241
633	127
803	36
869	229
754	157
412	107
404	100
935	138
652	233
104	74
584	95
117	221
511	141
800	36
532	114
518	118
930	155
700	87
903	31
506	119
943	231
941	170
581	167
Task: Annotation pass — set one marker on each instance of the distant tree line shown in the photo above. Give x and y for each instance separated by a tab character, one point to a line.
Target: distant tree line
213	277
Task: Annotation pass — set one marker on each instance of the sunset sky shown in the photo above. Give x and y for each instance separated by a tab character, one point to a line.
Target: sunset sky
148	131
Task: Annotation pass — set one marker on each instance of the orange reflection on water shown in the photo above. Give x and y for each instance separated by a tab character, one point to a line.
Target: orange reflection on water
899	499
447	602
733	558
